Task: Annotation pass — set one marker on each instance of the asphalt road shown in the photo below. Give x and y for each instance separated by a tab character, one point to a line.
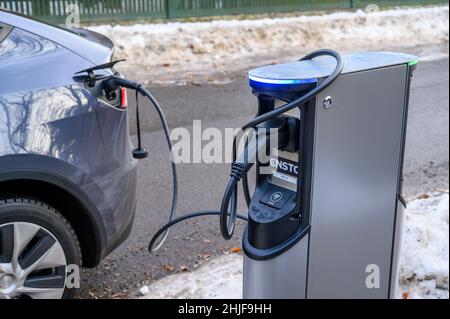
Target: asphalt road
201	185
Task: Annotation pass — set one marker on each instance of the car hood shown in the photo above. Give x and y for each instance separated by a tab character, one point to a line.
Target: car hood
90	45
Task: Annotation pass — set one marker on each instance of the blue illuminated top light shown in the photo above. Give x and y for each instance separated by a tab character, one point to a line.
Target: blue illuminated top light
282	81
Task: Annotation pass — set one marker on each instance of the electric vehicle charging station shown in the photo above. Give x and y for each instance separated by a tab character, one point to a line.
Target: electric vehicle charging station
326	221
325	218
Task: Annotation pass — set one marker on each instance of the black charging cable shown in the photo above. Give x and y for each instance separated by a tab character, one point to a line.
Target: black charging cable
225	228
139	152
166	129
289	106
239	168
116	81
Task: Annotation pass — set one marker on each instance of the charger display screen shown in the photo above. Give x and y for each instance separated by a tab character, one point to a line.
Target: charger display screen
284	172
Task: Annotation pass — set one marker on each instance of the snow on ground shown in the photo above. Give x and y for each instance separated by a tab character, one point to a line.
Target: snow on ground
220	278
182	51
424	265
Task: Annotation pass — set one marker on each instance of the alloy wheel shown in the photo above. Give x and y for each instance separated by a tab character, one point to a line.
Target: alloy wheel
32	262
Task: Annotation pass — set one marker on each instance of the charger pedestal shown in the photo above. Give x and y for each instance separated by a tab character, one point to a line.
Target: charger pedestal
330	227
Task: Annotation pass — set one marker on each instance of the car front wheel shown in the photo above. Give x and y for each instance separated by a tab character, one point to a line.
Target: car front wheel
37	245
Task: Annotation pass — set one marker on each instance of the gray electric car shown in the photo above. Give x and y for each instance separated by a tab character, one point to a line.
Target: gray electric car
67	176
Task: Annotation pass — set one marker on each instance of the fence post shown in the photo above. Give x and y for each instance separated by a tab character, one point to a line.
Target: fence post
171	8
40	8
353	4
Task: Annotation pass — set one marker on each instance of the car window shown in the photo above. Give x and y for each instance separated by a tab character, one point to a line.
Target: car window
4	31
20	44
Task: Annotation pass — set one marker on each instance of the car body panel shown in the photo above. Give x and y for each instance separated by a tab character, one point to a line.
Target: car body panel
30	62
52	123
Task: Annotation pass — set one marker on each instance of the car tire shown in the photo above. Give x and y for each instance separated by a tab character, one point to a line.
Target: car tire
46	244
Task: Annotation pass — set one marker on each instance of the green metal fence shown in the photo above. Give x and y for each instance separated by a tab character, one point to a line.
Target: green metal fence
210	7
116	10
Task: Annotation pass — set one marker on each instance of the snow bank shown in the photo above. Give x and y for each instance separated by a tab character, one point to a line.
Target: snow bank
221	46
220	278
424	265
